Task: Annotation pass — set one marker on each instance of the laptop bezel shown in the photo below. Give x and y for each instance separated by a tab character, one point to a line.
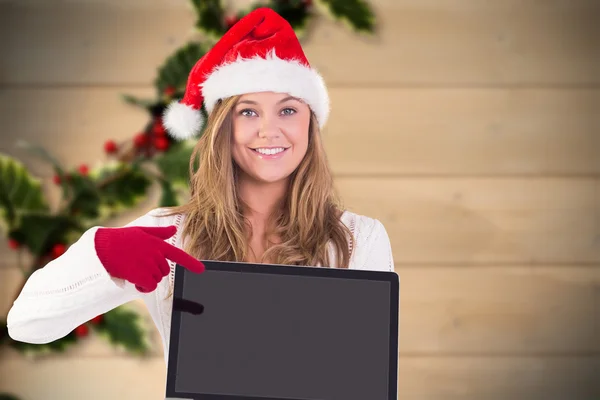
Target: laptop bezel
381	276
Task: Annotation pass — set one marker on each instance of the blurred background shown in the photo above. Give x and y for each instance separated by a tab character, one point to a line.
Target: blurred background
470	128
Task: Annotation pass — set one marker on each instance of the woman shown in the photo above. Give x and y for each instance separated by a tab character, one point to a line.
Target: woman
262	192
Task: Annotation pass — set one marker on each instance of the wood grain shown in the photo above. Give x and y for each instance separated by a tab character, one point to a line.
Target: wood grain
439	378
372	131
468	221
465	311
430	42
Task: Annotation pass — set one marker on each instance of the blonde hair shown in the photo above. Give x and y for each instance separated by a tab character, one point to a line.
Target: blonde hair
306	223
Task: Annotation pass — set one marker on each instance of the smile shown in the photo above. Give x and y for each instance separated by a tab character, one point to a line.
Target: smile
270	153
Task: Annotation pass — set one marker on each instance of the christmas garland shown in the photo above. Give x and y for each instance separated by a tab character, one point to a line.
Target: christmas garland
92	195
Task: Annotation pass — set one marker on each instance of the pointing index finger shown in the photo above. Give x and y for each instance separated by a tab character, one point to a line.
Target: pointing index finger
179	256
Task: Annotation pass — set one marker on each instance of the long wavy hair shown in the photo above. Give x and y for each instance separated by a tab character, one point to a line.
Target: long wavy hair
305	224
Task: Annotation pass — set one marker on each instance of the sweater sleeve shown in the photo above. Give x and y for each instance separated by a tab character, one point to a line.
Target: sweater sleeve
69	291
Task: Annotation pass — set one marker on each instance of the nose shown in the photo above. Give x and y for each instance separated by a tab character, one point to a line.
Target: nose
269	127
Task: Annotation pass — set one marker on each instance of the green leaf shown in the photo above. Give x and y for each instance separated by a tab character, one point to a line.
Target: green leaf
3	332
175	163
40	231
124	189
357	13
86	199
125	328
8	396
169	196
19	192
57	346
176	69
210	17
146	104
292	11
49	158
106	191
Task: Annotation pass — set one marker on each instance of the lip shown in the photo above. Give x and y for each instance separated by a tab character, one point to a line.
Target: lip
270	156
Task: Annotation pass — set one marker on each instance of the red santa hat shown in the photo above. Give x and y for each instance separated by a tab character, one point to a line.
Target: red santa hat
260	53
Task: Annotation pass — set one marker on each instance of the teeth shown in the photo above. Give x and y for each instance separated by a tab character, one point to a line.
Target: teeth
270	151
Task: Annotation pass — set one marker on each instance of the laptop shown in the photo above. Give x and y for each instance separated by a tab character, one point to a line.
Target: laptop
242	331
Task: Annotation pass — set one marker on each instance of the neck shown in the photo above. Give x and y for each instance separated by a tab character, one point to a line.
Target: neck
261	198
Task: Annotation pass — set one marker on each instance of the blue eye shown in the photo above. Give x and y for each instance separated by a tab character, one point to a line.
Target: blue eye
247	112
288	111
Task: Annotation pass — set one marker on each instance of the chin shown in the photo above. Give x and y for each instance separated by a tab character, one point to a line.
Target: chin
271	179
274	178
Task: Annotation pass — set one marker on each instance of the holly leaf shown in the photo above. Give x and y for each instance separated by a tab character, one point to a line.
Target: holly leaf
4	337
176	69
57	346
175	163
210	17
125	328
105	192
20	192
356	13
124	189
293	12
7	396
86	199
146	104
40	231
169	195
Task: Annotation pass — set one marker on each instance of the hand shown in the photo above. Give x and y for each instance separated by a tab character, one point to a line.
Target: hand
138	254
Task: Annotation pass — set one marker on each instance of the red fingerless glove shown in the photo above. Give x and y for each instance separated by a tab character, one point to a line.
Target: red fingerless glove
138	254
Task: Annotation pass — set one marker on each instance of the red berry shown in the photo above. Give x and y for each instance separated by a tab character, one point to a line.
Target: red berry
161	143
83	169
98	319
307	3
231	21
159	128
169	91
82	330
56	179
58	250
110	146
13	244
140	140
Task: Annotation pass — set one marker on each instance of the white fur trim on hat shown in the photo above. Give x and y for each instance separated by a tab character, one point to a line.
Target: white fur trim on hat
182	121
270	74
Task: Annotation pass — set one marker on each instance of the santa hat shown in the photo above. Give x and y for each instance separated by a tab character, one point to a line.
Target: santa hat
260	53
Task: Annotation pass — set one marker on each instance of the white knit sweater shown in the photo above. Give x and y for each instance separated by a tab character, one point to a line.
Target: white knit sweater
75	287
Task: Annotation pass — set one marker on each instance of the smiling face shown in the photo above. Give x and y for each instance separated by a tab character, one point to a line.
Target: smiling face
270	135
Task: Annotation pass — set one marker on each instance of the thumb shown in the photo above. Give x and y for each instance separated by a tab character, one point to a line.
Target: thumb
161	232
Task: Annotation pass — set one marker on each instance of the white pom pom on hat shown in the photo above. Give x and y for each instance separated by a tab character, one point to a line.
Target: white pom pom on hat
260	53
182	121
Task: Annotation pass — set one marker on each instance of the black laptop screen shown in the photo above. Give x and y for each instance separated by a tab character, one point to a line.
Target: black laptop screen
283	336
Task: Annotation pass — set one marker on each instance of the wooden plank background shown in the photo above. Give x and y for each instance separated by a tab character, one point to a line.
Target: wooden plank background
471	129
373	131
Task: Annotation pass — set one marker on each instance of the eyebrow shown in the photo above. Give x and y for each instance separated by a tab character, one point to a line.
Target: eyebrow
279	102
